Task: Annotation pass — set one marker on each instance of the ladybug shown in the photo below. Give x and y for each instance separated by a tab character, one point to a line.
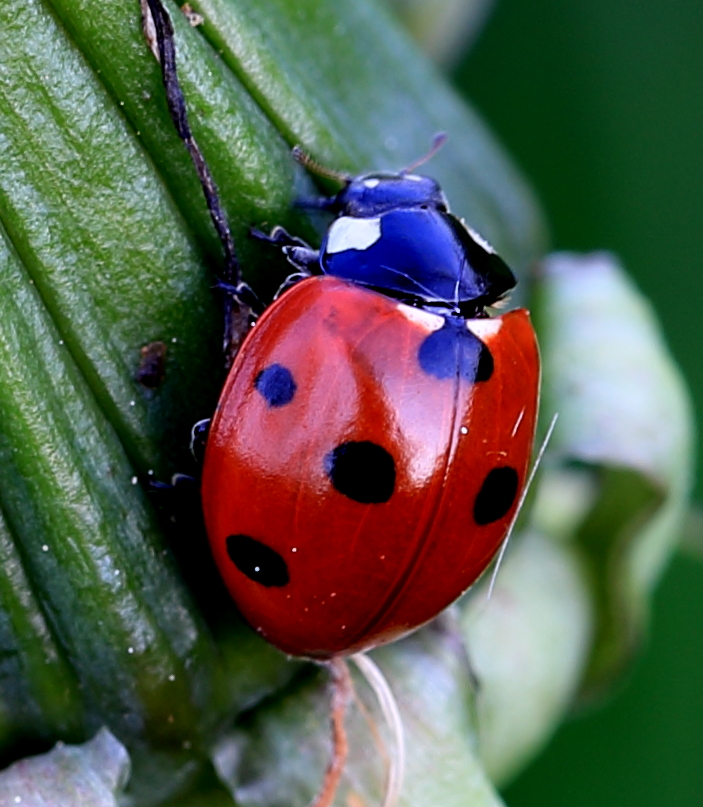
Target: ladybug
373	436
374	433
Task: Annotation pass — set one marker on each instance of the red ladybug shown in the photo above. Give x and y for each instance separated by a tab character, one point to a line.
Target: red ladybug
373	436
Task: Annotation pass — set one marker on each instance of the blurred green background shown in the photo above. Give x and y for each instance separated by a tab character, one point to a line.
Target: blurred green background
601	104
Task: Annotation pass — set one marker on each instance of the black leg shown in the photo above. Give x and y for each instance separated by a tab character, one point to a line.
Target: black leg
243	295
304	259
154	486
279	237
290	281
298	253
198	439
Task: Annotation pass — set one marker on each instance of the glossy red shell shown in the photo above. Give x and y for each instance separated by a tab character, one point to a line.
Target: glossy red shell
363	574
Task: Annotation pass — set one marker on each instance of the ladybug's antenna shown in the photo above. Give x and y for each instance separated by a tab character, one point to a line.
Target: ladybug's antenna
301	156
437	142
526	490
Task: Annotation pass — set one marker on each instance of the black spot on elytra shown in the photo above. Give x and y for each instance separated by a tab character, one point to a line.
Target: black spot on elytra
257	561
362	471
496	496
453	350
276	384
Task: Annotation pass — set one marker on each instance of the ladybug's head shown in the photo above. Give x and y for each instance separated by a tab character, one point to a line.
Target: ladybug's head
374	194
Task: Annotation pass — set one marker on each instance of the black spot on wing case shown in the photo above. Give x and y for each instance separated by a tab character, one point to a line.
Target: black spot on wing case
276	385
453	351
362	471
496	496
257	561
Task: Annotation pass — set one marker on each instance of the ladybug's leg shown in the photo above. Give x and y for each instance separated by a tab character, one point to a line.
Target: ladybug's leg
240	299
303	258
173	495
176	480
198	438
299	254
279	237
242	294
289	282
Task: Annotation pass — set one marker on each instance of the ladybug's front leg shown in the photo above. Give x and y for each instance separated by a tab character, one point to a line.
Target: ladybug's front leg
198	439
298	253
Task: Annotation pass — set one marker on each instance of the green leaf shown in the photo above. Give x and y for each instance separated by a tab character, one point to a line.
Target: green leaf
93	585
431	677
91	222
39	691
527	645
623	445
256	177
93	774
207	791
277	755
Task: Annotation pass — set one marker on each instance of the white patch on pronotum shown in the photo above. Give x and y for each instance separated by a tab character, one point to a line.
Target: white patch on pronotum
371	182
427	321
485	329
413	177
350	233
480	240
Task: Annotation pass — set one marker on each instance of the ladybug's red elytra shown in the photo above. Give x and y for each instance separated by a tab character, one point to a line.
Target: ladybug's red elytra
365	462
372	439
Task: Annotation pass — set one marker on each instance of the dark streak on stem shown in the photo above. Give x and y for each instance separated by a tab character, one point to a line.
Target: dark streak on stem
179	115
